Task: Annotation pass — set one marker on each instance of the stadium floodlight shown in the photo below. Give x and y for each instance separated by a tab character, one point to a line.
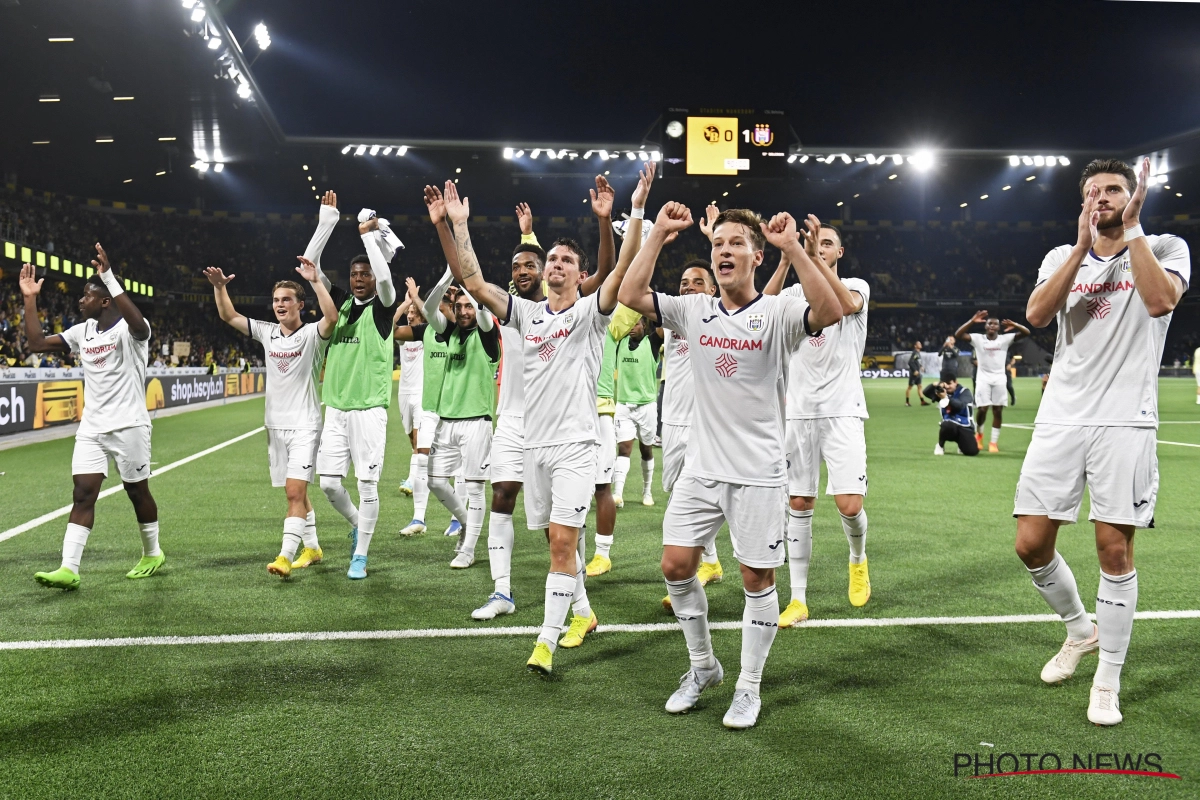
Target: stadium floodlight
346	149
897	159
562	153
218	167
655	155
588	154
537	151
518	153
1038	161
508	152
214	43
1005	188
387	151
870	159
643	155
603	155
922	160
261	36
202	166
792	158
1051	161
845	159
402	150
962	205
243	90
840	204
1027	161
983	197
1031	177
893	176
630	155
49	98
374	149
859	159
1014	161
803	158
358	151
189	3
1066	162
551	154
198	13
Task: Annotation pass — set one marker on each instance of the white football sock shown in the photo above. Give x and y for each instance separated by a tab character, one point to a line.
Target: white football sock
474	521
560	588
420	479
603	545
368	515
799	548
444	492
293	534
760	623
149	531
73	543
619	472
581	606
1056	583
1116	600
310	530
339	498
995	434
500	544
412	467
710	553
460	490
856	535
647	476
689	603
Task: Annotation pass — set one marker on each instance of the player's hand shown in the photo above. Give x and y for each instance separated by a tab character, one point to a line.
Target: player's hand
1089	218
458	210
100	262
602	198
1133	210
330	199
811	233
1008	325
307	270
218	278
30	285
329	211
710	216
525	218
673	218
980	316
368	226
435	204
413	290
641	192
781	230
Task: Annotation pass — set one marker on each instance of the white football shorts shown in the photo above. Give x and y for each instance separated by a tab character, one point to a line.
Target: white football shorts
674	449
506	463
410	411
559	484
129	448
1119	466
839	442
358	436
606	451
991	390
757	517
640	422
460	448
426	423
292	454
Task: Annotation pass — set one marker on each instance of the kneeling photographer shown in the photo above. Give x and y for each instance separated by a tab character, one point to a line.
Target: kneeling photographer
955	401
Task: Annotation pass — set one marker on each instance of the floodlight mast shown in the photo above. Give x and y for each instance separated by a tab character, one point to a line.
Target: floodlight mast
234	49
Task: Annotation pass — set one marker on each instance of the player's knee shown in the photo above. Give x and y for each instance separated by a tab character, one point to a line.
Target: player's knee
802	503
675	568
624	448
504	498
647	452
368	491
85	494
331	485
849	504
440	486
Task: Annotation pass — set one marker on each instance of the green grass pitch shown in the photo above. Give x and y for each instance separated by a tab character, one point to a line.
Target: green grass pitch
847	712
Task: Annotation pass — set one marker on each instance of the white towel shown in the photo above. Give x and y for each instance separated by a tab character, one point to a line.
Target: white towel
386	238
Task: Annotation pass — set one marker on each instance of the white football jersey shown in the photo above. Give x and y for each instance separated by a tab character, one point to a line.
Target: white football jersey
678	383
826	373
114	376
992	354
512	375
739	367
1109	348
561	362
293	370
412	368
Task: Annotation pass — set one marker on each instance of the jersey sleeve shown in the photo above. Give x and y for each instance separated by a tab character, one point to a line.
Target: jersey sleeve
862	287
418	331
793	313
622	322
672	312
1053	260
73	336
974	339
383	316
258	331
1172	253
795	290
520	311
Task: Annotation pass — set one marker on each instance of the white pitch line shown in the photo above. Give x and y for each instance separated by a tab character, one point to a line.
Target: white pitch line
62	512
1159	441
530	630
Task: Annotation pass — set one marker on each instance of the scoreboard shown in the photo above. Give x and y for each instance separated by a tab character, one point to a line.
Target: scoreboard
725	141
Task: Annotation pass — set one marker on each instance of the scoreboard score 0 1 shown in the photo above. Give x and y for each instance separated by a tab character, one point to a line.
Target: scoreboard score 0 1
719	141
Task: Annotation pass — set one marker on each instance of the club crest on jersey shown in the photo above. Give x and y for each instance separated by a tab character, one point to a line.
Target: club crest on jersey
755	322
569	319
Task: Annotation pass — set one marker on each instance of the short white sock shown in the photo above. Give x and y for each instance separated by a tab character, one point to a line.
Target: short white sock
710	553
580	605
620	471
1056	583
1116	600
760	622
474	522
446	493
412	467
603	545
689	603
500	544
368	515
995	434
460	490
799	548
560	589
855	529
339	498
647	476
293	534
310	530
73	543
149	531
420	480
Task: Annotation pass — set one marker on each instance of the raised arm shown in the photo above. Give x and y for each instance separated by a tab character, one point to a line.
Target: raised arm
433	301
379	266
458	210
632	244
437	215
1009	326
1161	291
850	301
823	305
525	221
138	327
602	204
634	290
327	220
35	340
711	212
219	281
329	310
775	285
963	332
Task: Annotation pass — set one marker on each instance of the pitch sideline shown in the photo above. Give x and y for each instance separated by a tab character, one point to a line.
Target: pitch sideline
62	512
530	630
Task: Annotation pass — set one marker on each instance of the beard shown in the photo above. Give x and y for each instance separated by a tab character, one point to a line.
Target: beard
1114	222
